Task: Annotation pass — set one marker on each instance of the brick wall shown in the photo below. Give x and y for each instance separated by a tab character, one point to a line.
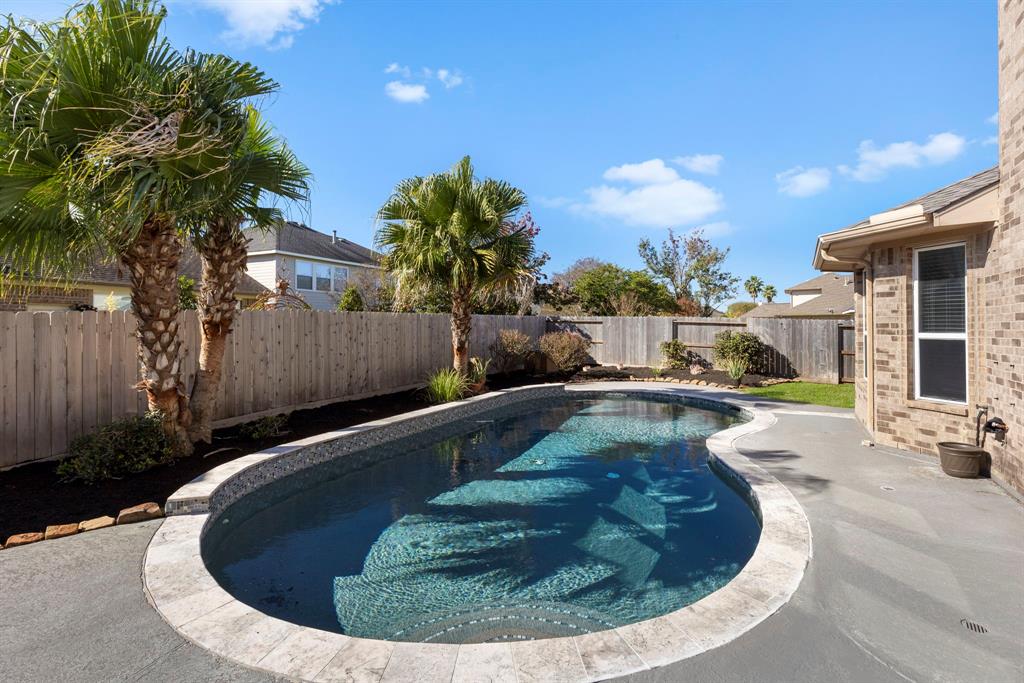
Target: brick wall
1003	371
19	298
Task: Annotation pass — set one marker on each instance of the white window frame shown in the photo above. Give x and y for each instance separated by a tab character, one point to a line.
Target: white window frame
313	266
334	276
949	336
312	276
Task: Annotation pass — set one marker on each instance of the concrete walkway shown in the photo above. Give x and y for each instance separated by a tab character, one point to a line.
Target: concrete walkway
901	555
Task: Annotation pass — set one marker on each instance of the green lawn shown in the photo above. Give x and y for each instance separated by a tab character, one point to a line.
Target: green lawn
835	395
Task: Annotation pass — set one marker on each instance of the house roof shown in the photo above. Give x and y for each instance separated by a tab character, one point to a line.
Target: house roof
836	298
949	195
296	238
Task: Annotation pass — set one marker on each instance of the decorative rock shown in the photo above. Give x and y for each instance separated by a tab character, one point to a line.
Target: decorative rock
97	523
23	539
139	513
60	530
701	382
697	369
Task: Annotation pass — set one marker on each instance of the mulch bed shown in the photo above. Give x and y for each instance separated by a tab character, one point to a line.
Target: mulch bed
33	497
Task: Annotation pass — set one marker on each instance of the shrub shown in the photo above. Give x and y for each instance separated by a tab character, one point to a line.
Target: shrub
676	354
125	447
351	300
658	371
743	346
264	428
511	348
736	368
446	385
478	370
188	300
567	350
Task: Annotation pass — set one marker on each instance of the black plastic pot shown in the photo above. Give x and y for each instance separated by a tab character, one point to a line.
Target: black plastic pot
961	459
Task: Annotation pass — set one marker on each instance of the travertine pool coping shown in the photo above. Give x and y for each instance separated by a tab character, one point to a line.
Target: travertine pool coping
192	602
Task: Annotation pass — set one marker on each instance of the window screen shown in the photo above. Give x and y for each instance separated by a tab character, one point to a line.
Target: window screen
943	369
340	278
323	278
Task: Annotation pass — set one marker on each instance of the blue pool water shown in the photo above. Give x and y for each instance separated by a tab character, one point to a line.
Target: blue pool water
563	518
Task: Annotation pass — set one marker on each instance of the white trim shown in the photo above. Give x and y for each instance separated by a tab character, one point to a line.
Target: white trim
308	257
314	276
952	336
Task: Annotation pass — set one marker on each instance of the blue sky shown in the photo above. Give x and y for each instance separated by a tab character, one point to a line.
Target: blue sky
769	123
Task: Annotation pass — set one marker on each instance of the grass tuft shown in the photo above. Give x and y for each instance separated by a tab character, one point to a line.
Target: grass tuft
834	395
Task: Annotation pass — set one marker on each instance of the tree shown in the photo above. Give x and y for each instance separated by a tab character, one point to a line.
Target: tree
260	167
769	293
351	300
754	286
599	290
453	231
669	265
738	308
712	284
107	136
691	267
567	278
187	299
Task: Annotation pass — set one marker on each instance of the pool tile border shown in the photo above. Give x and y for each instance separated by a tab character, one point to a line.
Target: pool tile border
181	589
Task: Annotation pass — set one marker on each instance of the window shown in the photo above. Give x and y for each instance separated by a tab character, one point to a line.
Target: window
323	277
340	278
303	275
940	323
320	277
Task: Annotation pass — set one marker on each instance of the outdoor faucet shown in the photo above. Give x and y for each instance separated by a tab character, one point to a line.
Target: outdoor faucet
997	428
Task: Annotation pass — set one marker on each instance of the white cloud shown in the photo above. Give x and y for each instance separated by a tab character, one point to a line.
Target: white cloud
991	140
406	92
396	68
701	163
449	79
269	23
873	162
803	182
644	173
994	119
663	199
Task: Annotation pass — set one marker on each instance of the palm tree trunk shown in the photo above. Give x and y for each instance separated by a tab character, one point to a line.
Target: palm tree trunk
223	252
461	324
152	264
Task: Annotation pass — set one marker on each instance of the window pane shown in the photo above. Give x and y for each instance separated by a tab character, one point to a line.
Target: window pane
943	365
340	278
303	275
940	290
323	278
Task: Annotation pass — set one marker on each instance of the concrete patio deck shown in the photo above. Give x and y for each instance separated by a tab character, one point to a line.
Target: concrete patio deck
902	554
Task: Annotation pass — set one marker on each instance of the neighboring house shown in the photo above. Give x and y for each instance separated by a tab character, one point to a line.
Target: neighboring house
318	266
106	286
826	296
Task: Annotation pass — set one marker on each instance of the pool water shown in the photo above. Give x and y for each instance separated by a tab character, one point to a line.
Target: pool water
571	517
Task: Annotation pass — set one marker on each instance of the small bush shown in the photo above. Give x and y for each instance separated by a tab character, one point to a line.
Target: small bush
264	428
446	385
676	354
745	346
125	447
567	350
658	371
736	368
351	300
478	370
511	348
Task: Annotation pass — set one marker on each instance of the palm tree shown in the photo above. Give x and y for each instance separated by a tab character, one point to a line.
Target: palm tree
769	293
106	135
262	165
754	286
453	231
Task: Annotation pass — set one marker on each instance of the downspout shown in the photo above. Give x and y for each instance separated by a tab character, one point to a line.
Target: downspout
869	328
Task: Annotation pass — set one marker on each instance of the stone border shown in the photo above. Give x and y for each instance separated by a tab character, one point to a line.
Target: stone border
193	603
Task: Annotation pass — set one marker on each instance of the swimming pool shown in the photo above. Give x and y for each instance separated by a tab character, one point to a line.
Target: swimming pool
542	520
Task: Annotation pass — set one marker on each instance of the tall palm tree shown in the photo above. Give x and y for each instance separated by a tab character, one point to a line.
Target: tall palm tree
261	167
106	135
769	293
453	231
754	286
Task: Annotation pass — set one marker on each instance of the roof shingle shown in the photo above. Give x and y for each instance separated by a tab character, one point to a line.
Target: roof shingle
302	239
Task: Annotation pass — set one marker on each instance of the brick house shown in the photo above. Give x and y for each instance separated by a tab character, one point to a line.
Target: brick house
939	296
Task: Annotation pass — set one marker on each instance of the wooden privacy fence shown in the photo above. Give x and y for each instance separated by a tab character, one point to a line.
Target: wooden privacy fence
804	347
63	374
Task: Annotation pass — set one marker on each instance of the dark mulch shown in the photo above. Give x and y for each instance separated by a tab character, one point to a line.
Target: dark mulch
33	496
712	376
